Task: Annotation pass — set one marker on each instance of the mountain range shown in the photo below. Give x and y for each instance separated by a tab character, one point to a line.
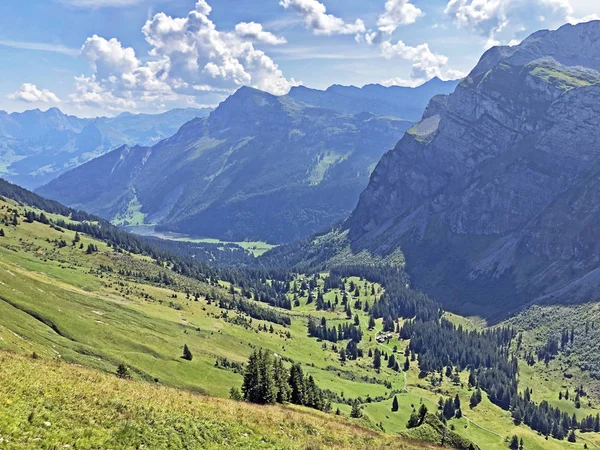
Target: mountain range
260	167
396	101
492	198
37	146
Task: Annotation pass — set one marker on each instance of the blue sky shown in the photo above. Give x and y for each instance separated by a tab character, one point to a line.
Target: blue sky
102	57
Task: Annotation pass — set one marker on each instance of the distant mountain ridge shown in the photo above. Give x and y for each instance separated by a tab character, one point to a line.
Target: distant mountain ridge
396	101
260	167
37	146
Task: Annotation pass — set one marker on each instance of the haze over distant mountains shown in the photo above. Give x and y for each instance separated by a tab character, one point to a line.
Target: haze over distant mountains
37	146
259	167
397	101
494	198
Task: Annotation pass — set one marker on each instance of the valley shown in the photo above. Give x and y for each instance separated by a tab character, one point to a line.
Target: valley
96	309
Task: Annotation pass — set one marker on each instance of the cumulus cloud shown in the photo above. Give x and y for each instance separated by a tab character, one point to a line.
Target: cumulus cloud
397	12
486	16
254	31
108	57
190	57
490	17
426	64
315	17
30	93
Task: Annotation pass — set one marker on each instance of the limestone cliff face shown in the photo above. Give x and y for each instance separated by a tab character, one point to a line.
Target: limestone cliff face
494	195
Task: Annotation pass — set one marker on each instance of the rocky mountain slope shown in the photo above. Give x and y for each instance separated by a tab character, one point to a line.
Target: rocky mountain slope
493	196
259	167
397	101
37	146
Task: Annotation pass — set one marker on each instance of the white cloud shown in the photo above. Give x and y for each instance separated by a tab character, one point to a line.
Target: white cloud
426	64
31	94
108	57
254	31
398	12
486	16
190	58
315	17
490	17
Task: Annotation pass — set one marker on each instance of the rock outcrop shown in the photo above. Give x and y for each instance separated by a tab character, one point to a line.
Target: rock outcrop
494	195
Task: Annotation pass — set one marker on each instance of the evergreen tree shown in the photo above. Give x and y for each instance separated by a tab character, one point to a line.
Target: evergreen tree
356	412
267	388
371	322
2	232
457	402
296	382
123	371
514	443
377	359
281	377
395	404
251	379
391	361
413	421
475	398
572	437
422	413
187	354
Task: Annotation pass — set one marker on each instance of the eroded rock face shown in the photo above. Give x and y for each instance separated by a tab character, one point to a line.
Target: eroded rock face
501	178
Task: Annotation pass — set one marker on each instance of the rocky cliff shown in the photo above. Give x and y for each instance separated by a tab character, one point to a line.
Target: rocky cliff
493	196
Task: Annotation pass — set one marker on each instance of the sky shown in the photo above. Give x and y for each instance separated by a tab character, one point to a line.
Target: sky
104	57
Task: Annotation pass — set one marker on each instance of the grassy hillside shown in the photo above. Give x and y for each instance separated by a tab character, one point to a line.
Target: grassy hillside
109	307
49	404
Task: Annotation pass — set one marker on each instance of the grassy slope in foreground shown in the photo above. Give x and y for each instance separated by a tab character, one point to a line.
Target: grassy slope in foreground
50	404
111	318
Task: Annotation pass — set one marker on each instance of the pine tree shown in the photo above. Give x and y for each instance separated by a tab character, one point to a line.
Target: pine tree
395	404
296	382
413	421
187	354
422	413
514	443
572	437
123	371
377	359
2	232
282	384
475	398
391	362
457	402
266	388
371	322
356	412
